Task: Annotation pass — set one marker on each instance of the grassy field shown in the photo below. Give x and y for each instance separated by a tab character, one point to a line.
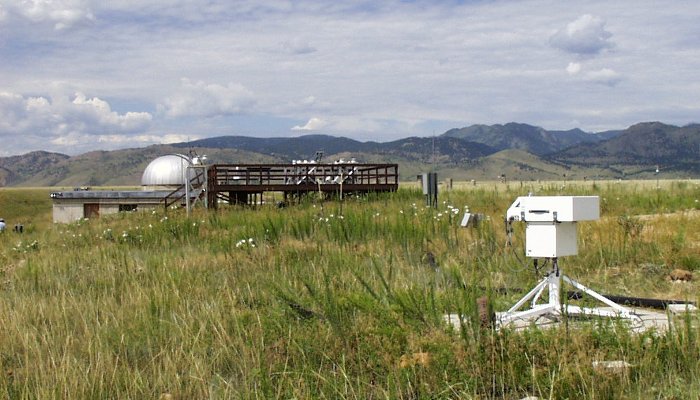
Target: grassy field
336	300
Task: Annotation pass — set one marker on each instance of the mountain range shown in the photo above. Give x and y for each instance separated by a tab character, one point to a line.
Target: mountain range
526	137
517	151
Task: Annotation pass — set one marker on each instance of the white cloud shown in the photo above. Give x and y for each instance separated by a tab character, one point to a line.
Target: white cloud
62	13
573	68
313	124
174	138
146	138
605	76
75	143
101	114
199	99
379	71
308	101
64	122
585	36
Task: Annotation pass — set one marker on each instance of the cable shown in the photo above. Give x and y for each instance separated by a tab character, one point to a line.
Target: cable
509	243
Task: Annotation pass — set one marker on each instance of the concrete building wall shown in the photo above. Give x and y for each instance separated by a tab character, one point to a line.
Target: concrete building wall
71	210
67	212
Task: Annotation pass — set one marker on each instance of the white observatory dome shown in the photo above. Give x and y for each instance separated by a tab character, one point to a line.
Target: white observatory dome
167	170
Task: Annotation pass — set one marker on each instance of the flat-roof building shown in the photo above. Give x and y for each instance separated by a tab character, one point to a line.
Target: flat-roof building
164	178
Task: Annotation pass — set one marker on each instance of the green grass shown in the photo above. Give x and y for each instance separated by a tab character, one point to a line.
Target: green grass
30	207
325	300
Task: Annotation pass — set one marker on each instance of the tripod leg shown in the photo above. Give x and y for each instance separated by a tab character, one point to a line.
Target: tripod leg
593	294
537	289
537	296
622	311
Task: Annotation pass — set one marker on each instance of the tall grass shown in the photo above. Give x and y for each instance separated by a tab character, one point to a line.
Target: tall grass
335	300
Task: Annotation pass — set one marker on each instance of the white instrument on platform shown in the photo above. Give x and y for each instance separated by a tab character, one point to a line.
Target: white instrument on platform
550	233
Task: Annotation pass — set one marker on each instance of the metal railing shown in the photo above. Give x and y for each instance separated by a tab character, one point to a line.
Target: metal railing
179	193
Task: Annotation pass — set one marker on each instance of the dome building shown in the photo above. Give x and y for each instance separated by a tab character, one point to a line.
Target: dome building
167	172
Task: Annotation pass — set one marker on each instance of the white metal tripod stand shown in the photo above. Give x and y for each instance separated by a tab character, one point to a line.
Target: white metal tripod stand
554	307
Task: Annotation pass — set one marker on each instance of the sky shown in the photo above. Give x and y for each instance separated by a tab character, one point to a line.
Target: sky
81	75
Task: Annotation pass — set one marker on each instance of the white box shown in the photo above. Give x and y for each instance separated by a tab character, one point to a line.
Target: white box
560	208
548	240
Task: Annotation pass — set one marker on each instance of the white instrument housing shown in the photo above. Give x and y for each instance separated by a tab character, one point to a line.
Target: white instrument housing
551	222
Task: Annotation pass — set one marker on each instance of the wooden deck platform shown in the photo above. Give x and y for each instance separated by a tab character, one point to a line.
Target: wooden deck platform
241	183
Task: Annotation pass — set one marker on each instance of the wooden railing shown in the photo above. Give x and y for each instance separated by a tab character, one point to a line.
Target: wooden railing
286	177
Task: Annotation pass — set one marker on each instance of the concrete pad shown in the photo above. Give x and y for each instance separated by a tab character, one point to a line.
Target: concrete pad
679	309
648	320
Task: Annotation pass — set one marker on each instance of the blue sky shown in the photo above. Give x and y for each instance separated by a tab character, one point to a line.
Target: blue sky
82	75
